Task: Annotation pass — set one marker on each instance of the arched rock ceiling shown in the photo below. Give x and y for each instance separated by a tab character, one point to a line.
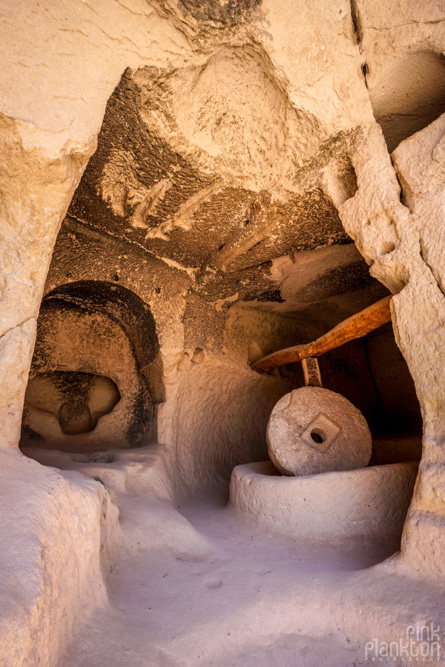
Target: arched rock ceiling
223	154
211	169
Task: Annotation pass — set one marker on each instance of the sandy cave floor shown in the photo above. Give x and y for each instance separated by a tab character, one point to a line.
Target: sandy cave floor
202	584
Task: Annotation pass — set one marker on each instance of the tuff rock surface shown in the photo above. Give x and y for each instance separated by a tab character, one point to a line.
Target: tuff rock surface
236	167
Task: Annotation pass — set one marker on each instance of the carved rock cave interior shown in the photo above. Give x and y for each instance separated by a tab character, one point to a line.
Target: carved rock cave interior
230	187
96	323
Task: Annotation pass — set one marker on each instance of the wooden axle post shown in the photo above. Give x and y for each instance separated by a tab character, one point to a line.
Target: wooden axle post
311	372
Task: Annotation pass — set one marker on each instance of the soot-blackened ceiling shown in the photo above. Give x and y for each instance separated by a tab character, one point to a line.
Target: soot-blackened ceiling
139	188
148	188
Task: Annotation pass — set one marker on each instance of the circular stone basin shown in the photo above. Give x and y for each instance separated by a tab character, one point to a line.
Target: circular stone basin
367	502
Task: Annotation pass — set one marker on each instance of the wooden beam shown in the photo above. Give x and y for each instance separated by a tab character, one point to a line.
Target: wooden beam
356	326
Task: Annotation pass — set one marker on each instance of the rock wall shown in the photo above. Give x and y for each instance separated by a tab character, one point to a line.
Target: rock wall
409	262
53	564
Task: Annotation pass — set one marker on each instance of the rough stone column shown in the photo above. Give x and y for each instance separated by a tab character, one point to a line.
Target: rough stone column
35	191
420	330
405	246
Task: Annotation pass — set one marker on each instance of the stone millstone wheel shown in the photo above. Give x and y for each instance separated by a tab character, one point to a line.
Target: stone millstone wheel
313	430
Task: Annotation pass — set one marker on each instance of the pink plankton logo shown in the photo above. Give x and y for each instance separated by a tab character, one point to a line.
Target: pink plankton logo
421	643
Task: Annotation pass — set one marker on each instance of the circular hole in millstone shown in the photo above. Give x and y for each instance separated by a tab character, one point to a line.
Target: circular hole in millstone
318	435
